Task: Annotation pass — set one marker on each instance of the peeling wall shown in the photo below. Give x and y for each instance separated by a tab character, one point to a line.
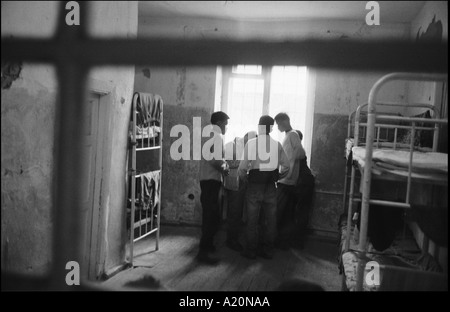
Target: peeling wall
337	94
27	123
431	21
187	92
28	112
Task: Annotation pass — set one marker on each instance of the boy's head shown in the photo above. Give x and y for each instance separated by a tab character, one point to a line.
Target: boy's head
266	121
220	119
283	122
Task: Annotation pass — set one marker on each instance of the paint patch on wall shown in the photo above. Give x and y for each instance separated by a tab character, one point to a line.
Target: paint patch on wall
146	72
10	72
180	201
433	33
181	74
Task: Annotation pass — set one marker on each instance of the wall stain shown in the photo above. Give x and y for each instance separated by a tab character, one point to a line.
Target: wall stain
180	100
146	72
10	72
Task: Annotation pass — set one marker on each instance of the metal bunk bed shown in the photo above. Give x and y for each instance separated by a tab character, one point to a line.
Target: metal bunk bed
144	200
367	166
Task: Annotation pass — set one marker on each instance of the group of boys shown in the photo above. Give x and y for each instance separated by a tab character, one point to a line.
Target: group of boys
264	180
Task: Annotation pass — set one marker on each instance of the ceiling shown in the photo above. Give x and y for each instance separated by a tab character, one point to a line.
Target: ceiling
390	11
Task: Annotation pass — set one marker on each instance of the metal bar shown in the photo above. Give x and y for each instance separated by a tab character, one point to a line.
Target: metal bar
411	154
141	222
328	192
133	179
347	55
149	148
145	235
350	208
378	136
411	119
146	217
435	137
385	203
395	138
344	200
387	126
158	216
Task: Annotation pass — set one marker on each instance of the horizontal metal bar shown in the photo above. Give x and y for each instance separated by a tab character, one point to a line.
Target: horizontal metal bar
145	235
411	119
329	193
387	126
138	175
147	148
348	54
385	203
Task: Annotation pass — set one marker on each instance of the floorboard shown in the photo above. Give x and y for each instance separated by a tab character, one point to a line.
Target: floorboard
174	267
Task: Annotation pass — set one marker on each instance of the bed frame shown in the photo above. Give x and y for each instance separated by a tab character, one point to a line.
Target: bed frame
145	159
372	130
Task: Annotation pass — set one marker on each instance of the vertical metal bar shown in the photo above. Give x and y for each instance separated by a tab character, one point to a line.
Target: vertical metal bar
411	154
344	199
395	138
158	218
378	137
367	176
266	72
133	179
350	209
146	220
435	137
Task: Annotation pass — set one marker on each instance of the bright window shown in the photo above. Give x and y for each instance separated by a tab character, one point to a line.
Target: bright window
250	91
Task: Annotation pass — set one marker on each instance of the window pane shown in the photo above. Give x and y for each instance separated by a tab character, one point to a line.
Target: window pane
244	107
288	94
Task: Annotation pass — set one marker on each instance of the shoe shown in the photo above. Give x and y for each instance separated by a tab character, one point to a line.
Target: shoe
248	255
206	259
211	248
265	255
234	245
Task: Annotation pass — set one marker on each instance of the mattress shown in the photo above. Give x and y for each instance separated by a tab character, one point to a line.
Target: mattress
425	165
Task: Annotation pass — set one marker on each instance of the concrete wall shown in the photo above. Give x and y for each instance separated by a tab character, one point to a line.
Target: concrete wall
423	26
336	94
187	92
189	28
28	112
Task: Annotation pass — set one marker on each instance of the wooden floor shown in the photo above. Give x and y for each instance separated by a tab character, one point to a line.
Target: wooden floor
173	266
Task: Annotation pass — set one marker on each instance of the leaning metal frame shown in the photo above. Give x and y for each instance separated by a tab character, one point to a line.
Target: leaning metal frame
74	52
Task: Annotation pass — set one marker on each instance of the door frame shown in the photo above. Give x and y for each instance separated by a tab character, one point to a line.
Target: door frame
97	255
